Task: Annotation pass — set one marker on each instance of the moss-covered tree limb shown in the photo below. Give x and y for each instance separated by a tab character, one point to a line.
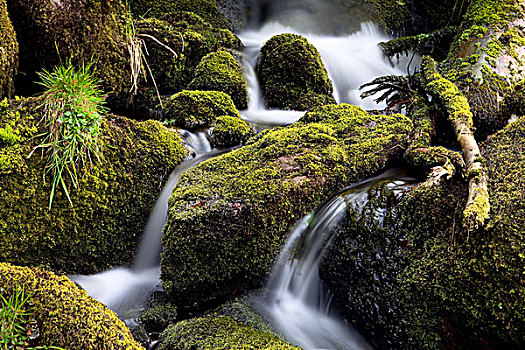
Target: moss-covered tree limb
487	58
460	116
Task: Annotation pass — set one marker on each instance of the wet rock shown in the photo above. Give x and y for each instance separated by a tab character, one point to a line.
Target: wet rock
219	71
431	284
66	316
110	206
229	216
292	75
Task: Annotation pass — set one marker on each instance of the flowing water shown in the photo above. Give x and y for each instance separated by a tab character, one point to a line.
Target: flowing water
295	300
126	289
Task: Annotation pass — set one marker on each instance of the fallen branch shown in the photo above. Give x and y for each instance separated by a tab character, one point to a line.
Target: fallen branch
459	115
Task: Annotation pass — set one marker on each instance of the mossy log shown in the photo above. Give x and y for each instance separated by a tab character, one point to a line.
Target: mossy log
459	115
487	58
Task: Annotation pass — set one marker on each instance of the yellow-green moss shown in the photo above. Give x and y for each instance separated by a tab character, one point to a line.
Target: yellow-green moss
292	75
207	9
218	332
8	53
190	37
49	32
66	316
110	206
230	131
193	109
228	216
219	71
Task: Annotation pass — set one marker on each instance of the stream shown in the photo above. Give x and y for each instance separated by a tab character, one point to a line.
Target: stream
295	302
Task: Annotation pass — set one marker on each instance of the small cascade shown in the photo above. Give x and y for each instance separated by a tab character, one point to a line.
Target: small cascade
351	60
296	301
125	289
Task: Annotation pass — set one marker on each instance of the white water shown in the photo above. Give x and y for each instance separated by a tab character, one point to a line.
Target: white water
351	60
296	300
125	289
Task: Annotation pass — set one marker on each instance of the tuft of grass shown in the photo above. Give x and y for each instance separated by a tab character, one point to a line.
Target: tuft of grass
15	323
73	107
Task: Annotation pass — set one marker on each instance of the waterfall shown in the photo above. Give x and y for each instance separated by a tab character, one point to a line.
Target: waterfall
296	301
125	289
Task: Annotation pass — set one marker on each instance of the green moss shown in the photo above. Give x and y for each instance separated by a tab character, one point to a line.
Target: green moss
292	75
217	332
230	131
80	30
8	53
485	58
219	71
65	315
190	37
110	206
192	109
158	317
229	216
207	9
397	17
455	287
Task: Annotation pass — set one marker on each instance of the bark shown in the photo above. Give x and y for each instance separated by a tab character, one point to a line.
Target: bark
487	59
477	209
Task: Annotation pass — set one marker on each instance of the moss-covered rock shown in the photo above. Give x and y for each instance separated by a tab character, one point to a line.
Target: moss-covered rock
110	206
219	71
229	216
207	9
194	109
398	17
8	53
230	131
218	332
158	317
80	30
65	315
292	74
438	285
190	38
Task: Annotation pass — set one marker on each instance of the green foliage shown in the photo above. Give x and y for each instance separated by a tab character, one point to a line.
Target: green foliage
15	327
292	75
73	108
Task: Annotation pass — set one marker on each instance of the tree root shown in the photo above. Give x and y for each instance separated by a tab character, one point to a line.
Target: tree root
477	209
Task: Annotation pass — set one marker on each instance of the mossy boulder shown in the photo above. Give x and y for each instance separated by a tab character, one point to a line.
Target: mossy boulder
194	109
110	206
53	31
230	131
292	74
220	71
190	37
435	284
207	9
218	332
8	53
65	315
228	216
158	317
